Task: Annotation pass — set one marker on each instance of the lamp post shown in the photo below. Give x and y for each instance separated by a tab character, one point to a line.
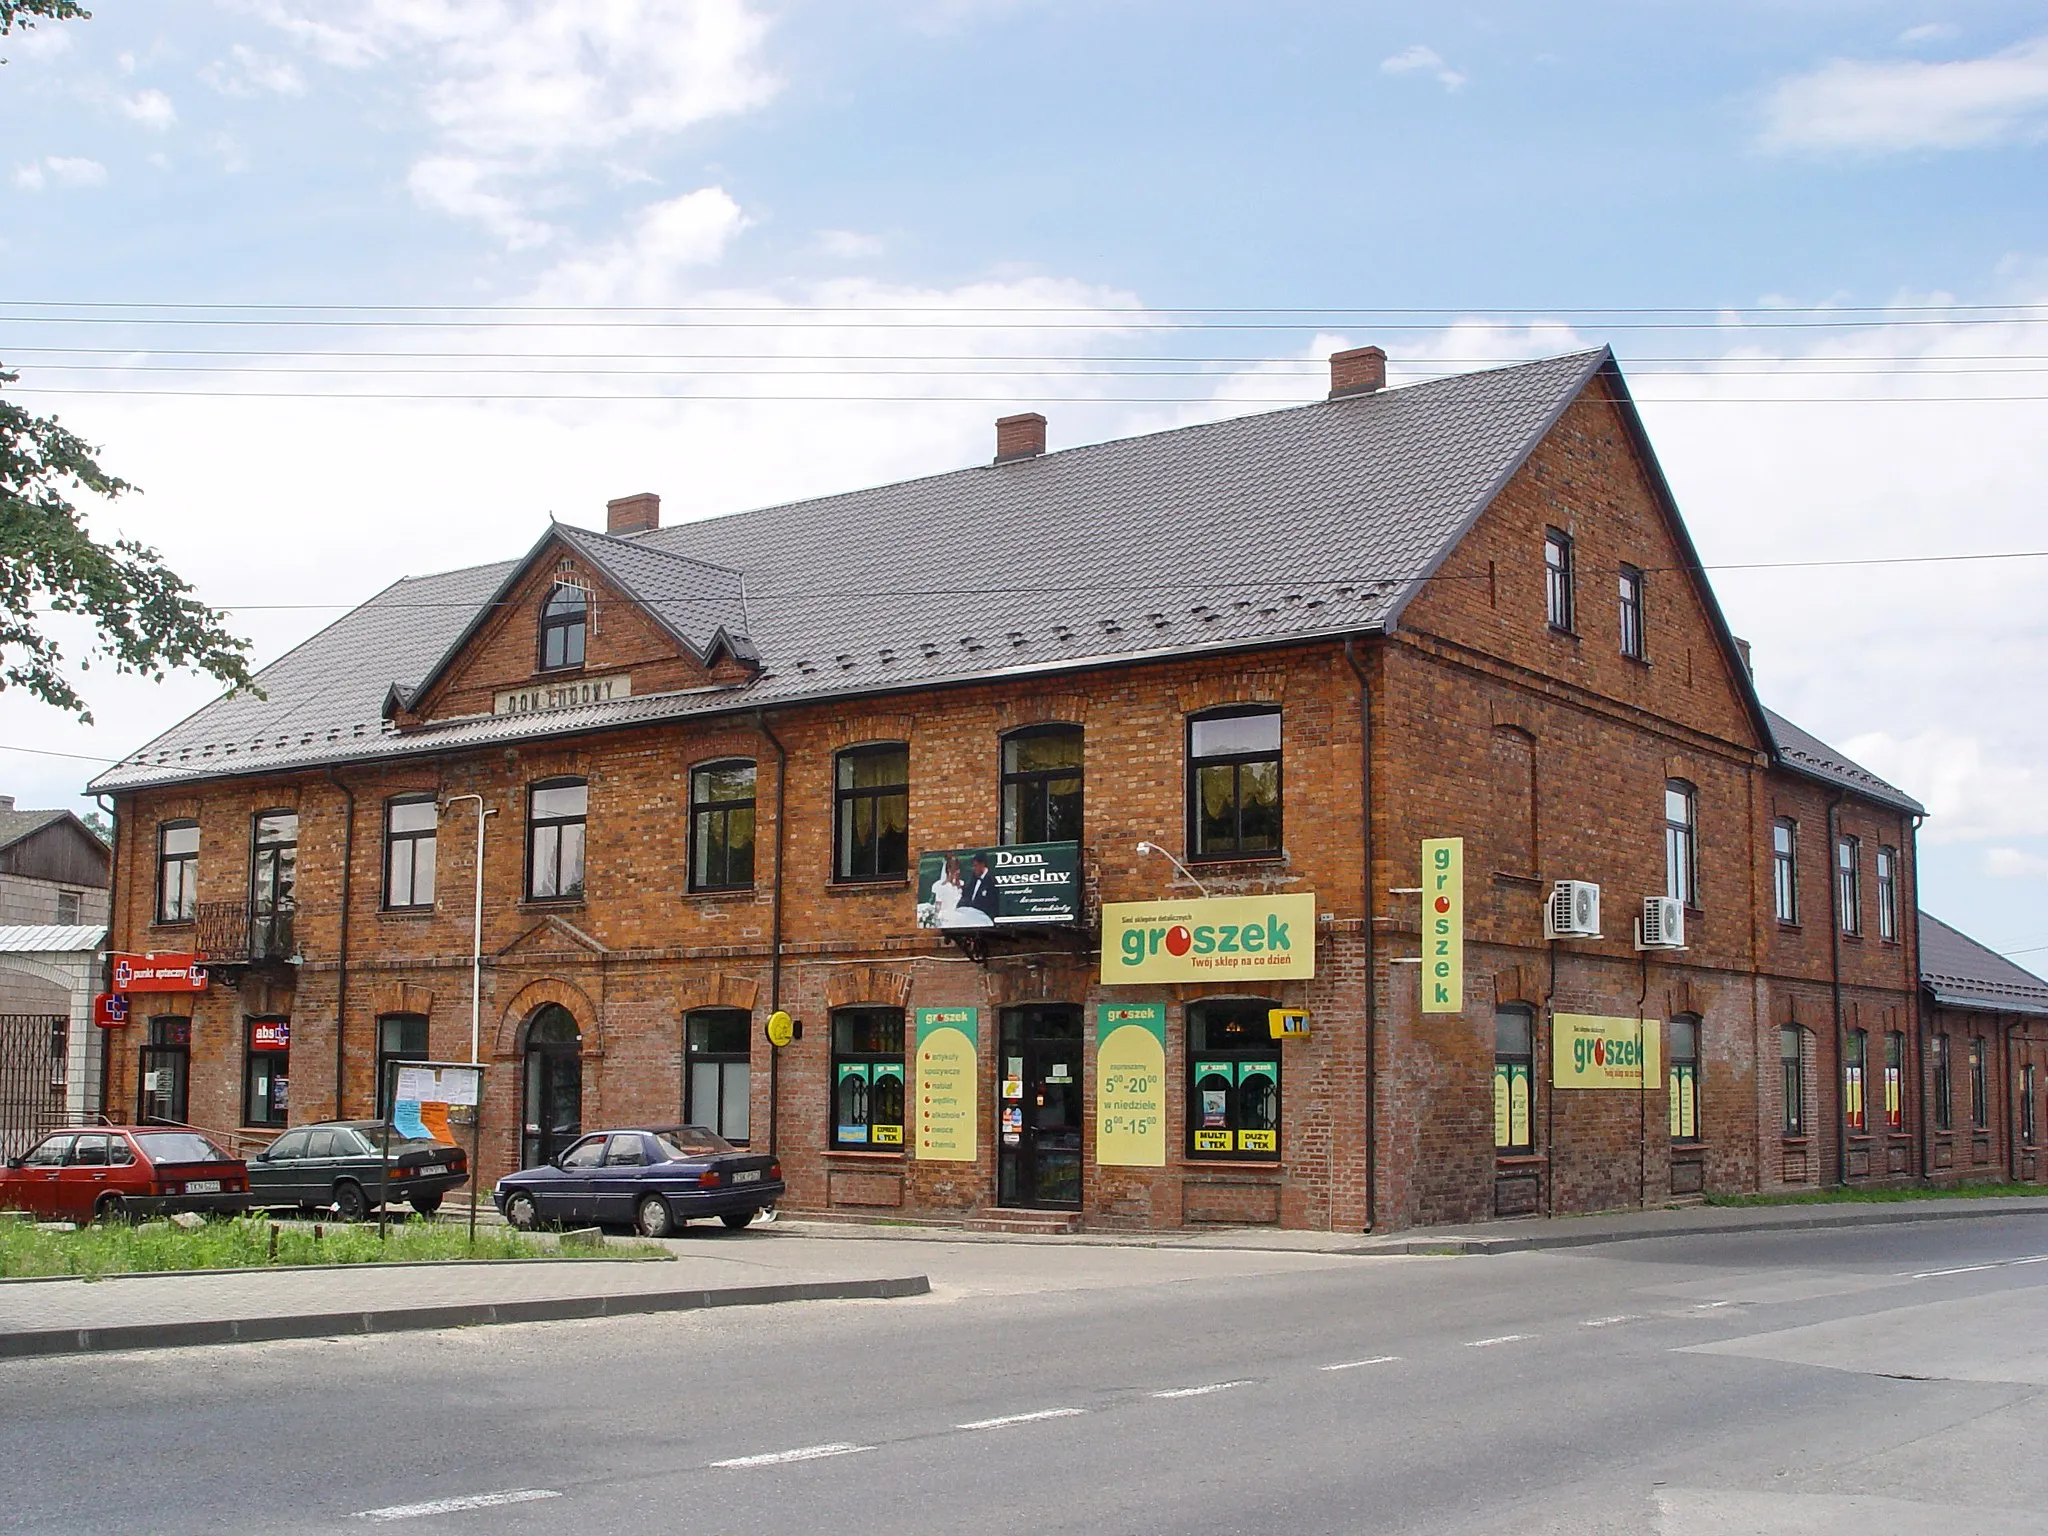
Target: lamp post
1176	863
476	942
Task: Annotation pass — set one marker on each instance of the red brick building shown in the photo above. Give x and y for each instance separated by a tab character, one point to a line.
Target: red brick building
1259	659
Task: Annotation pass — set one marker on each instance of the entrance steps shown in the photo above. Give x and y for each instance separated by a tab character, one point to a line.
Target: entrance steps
998	1219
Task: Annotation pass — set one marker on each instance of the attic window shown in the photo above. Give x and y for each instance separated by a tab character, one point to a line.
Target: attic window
564	624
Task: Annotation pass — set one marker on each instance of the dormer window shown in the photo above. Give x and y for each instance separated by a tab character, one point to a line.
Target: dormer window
564	622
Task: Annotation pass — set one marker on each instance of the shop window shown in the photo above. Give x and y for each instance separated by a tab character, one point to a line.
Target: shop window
872	812
1792	1064
1514	1076
1681	842
1233	1080
1631	613
867	1079
717	1071
1980	1101
564	625
2027	1104
1849	883
1855	1054
177	871
1557	579
411	825
1042	784
1894	1081
1944	1098
401	1037
557	814
722	826
1888	894
1234	784
1785	869
163	1072
1683	1074
266	1073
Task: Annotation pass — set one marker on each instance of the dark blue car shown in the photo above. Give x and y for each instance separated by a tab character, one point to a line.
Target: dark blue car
654	1178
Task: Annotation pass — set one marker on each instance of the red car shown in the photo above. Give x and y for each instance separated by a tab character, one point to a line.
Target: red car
103	1171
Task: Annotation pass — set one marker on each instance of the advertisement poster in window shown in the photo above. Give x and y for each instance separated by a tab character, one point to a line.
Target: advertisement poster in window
1024	885
1510	1104
948	1079
864	1088
1212	1105
1258	1094
1263	938
1130	1077
1591	1051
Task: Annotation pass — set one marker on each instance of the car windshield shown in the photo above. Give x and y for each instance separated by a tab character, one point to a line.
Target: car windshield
180	1147
401	1144
691	1141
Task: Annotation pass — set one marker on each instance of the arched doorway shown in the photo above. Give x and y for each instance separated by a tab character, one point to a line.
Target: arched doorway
554	1084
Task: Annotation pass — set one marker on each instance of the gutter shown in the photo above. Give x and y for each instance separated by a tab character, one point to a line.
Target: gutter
348	867
1835	983
113	815
775	922
1371	981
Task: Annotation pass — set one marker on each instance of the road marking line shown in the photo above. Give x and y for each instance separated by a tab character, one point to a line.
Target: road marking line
456	1506
801	1453
2038	1258
1966	1269
1352	1365
1214	1386
1609	1322
1022	1418
1708	1306
1505	1338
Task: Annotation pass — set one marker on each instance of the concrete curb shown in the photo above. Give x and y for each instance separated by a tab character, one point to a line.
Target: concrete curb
72	1341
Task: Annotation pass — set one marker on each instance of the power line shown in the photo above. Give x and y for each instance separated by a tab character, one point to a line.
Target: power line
966	319
675	398
1146	309
1316	363
6	746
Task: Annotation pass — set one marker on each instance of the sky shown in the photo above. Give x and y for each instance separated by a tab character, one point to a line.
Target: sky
355	289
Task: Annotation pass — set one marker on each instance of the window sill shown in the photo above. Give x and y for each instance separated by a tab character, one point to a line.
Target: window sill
1260	1164
865	1157
723	893
1503	877
1789	927
1795	1142
1687	1144
1638	661
1558	632
173	922
571	671
404	914
552	904
866	887
1222	862
1519	1161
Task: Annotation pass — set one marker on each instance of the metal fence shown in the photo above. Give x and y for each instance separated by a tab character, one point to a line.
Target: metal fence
34	1049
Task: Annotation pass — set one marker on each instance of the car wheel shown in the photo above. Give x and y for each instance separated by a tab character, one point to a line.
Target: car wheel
652	1217
521	1212
737	1220
426	1205
349	1202
110	1208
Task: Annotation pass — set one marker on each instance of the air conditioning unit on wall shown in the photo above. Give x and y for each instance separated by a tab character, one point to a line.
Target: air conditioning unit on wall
1573	911
1662	925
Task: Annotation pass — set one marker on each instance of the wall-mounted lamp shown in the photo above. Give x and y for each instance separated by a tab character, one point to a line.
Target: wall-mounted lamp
1176	863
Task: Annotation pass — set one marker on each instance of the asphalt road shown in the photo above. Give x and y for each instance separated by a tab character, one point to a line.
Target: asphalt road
1873	1381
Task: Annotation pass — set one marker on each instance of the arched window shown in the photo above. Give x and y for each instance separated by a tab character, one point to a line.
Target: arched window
564	623
1233	1079
1042	784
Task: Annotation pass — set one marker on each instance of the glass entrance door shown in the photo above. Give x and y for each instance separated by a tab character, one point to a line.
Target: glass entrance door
554	1085
1038	1108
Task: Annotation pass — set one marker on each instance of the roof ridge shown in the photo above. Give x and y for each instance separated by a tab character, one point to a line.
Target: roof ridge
652	549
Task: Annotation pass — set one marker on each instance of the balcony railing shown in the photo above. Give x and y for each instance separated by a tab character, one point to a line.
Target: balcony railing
231	933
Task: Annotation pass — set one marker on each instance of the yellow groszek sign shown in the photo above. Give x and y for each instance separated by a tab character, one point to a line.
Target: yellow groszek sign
1443	925
1591	1051
1221	938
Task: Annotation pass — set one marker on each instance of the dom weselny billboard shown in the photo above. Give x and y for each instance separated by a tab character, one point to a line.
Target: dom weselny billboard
1022	885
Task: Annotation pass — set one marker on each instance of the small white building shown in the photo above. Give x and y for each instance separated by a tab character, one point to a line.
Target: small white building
50	1053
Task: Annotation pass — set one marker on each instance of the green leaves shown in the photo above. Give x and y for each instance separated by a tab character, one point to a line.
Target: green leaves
146	620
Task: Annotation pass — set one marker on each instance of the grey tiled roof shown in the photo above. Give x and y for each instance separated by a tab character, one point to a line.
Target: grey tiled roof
1961	973
15	825
700	603
1287	525
1807	754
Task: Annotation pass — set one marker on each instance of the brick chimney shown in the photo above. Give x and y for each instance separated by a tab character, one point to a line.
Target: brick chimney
1360	371
1019	437
633	514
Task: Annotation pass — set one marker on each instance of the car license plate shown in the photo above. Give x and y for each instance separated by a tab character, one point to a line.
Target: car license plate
202	1186
750	1176
431	1168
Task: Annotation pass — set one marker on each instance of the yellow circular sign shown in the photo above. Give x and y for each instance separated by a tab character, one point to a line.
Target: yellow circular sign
781	1028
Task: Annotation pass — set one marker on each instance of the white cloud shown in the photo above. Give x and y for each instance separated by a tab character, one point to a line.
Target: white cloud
1971	793
457	185
849	244
1417	59
152	109
646	265
1880	108
245	72
2014	864
65	170
29	177
1929	32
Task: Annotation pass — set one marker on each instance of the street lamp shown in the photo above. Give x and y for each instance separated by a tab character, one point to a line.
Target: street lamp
476	942
1176	863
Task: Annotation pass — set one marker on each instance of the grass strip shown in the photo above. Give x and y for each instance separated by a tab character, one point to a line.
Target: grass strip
1885	1196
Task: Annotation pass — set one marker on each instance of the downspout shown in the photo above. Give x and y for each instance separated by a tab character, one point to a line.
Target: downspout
1366	890
1835	980
775	925
1643	1090
348	866
1550	1158
1919	1028
113	814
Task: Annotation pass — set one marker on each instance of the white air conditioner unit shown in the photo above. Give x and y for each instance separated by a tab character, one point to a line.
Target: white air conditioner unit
1662	925
1573	911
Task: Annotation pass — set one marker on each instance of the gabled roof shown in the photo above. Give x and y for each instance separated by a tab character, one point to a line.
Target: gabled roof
1805	754
17	825
1267	529
1961	973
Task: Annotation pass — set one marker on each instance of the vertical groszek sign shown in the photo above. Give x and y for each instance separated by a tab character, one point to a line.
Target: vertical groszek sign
948	1084
1443	925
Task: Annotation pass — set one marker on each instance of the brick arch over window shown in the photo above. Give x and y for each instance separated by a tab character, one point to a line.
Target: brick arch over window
1041	709
862	730
1517	986
857	984
1054	983
401	997
530	997
1237	688
720	989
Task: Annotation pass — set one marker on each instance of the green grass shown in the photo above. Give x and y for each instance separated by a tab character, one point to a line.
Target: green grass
246	1242
1884	1196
